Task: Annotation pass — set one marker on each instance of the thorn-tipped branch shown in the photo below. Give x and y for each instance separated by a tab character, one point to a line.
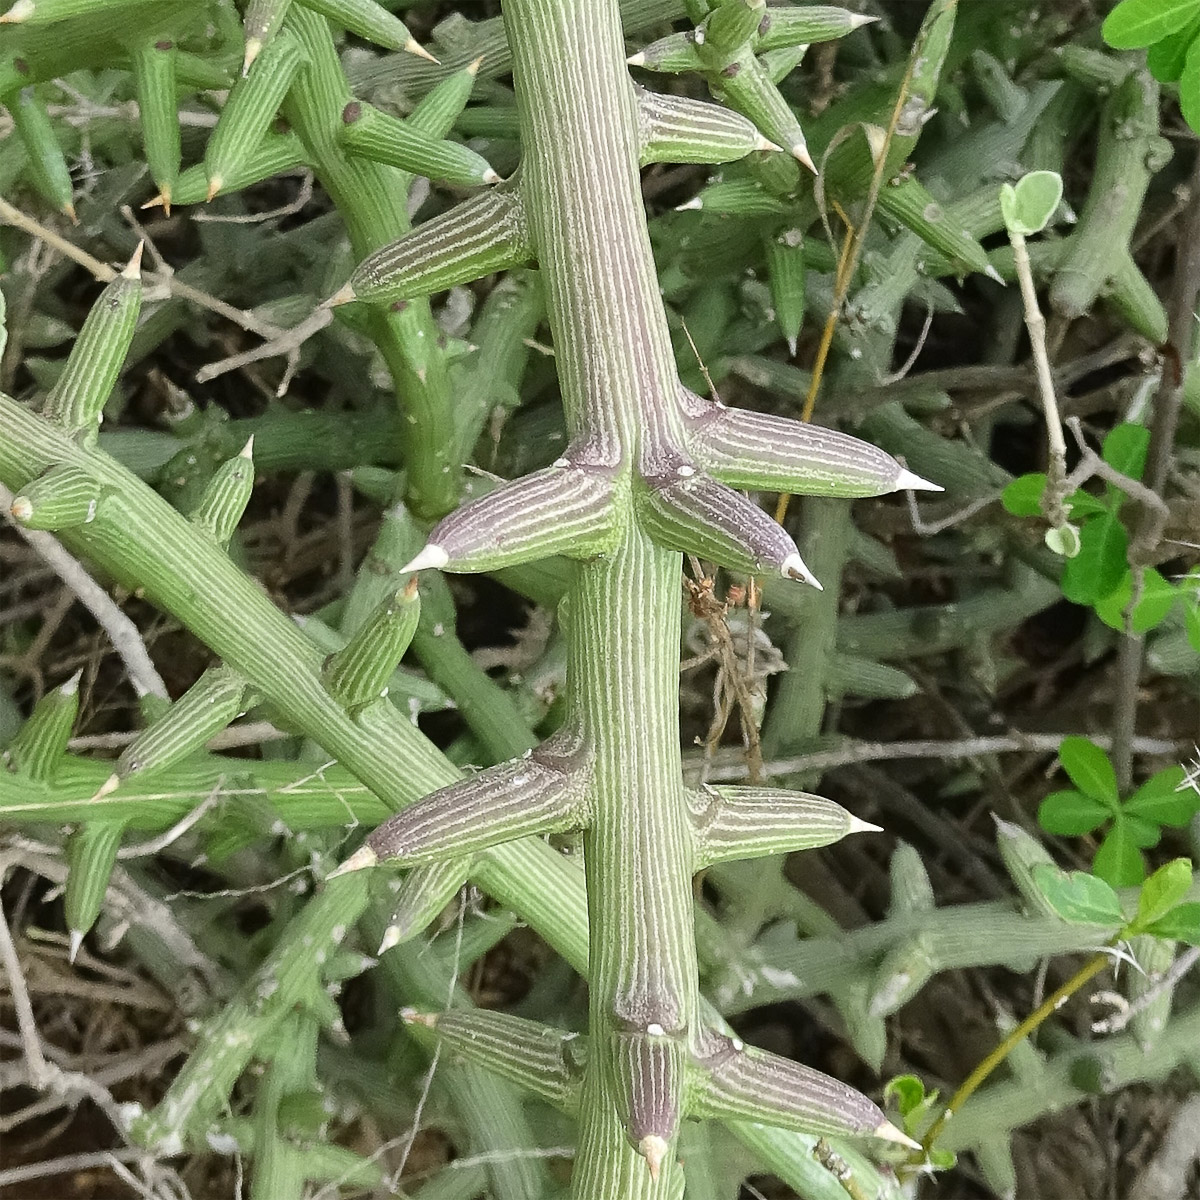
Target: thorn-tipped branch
682	130
649	1079
483	234
224	500
41	742
698	515
744	1083
761	451
527	797
562	509
62	498
751	822
358	673
218	697
543	1061
423	893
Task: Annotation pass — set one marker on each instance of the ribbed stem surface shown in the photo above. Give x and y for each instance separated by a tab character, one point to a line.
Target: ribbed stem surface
580	184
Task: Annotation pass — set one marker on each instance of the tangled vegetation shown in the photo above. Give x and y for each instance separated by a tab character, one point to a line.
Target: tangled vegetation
516	457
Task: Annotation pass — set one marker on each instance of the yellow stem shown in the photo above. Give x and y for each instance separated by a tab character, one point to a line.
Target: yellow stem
1051	1004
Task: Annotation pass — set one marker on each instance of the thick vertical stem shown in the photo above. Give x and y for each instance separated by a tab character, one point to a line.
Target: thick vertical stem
581	188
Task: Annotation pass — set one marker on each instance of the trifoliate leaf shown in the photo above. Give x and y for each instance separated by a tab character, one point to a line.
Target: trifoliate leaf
1090	770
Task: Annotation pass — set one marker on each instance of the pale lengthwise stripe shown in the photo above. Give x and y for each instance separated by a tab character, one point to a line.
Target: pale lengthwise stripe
749	822
744	1083
558	510
703	517
536	1057
537	794
760	450
649	1072
486	233
680	129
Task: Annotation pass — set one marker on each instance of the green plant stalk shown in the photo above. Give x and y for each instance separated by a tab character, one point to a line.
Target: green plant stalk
372	203
1047	1008
617	373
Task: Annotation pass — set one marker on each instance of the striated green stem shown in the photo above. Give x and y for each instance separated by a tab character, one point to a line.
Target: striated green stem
580	185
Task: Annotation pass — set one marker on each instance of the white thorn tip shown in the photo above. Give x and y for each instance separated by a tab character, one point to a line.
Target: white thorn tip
391	937
491	176
473	66
767	144
992	273
362	858
74	942
247	451
653	1149
800	154
20	11
21	509
907	481
413	1016
133	268
109	786
693	205
343	295
636	60
432	556
793	567
890	1133
71	687
857	825
253	50
415	47
858	20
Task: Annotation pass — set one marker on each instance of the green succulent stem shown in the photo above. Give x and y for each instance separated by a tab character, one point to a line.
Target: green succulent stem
579	129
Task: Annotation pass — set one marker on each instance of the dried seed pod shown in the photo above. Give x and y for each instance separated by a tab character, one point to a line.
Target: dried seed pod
251	107
219	696
698	515
40	743
224	500
484	234
358	673
91	856
158	108
62	498
682	130
539	1059
563	509
751	822
48	171
76	401
369	133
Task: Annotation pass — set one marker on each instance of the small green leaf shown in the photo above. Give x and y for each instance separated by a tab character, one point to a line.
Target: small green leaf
1118	861
1191	620
1189	87
1164	890
1137	23
1142	833
1100	564
1166	58
1125	449
1161	799
1082	504
1090	770
1079	897
1023	497
1064	540
1028	206
1072	813
1181	924
907	1092
1156	601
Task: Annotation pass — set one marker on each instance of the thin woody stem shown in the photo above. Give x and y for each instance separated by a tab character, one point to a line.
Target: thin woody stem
1047	1008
